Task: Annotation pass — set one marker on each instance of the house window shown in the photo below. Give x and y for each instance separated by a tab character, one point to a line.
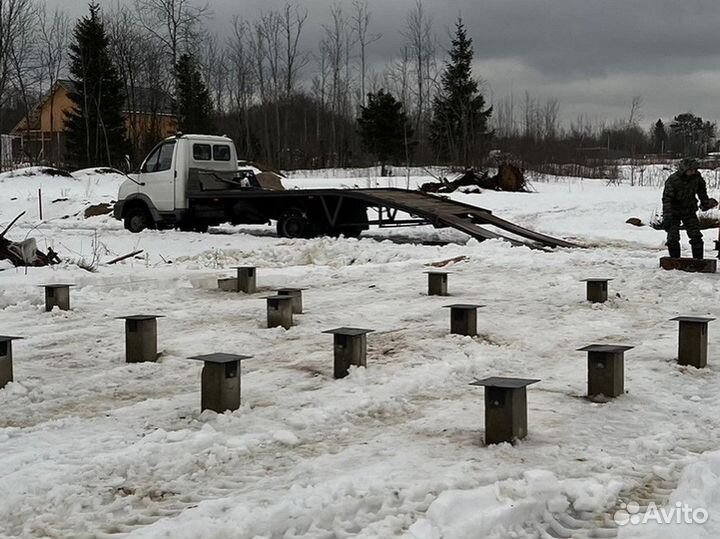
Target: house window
221	152
201	152
161	158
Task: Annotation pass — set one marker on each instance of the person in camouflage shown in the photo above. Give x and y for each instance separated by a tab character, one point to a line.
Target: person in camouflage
682	189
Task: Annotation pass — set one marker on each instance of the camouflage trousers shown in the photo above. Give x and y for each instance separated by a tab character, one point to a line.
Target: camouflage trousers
692	227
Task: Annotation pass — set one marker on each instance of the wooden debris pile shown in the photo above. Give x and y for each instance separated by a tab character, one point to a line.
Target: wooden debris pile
508	178
24	253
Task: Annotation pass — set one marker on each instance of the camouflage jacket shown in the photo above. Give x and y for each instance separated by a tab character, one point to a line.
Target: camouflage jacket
681	194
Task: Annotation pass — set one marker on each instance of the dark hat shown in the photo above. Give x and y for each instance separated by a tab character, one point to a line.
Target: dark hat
688	164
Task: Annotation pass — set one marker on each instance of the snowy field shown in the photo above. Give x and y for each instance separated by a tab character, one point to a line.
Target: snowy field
92	447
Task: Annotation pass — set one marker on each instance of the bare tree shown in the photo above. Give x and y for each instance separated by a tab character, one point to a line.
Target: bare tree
334	46
127	42
23	55
13	21
635	115
14	25
157	82
550	115
266	53
214	63
634	118
292	22
421	45
504	120
320	92
397	76
240	77
361	25
53	39
176	24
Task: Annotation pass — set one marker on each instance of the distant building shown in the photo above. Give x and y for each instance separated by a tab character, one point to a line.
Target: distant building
43	137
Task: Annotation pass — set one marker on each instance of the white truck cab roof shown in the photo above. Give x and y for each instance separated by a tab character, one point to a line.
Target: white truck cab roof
203	138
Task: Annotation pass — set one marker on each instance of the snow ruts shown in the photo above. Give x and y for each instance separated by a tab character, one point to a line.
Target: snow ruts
649	488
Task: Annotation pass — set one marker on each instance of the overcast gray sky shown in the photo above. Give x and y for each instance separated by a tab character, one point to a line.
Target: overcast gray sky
593	55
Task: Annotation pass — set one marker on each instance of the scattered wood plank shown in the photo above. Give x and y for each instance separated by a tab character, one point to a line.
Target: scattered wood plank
7	228
443	263
124	257
508	178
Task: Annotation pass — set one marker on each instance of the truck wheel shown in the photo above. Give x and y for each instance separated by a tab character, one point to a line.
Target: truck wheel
293	224
137	219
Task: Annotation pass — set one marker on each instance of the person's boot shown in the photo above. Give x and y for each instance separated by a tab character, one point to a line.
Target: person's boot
697	251
674	250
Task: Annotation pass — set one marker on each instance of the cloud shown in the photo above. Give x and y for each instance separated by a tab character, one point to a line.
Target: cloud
594	55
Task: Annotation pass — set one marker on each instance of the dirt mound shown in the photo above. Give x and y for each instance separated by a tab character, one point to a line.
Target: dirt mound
98	209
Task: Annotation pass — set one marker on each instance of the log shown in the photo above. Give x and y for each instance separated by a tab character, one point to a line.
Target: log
443	263
123	257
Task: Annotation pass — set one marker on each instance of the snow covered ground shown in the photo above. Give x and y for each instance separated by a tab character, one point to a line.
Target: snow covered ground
93	447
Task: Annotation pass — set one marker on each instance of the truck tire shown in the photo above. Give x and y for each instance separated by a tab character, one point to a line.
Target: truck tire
137	219
293	223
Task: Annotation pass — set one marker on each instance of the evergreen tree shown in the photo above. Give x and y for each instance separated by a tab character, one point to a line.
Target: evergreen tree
96	131
459	124
691	134
384	128
659	137
194	105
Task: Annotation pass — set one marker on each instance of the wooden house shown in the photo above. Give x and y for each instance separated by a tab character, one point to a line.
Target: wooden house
148	117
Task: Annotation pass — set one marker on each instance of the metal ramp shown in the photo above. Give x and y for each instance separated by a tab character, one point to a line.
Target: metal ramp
442	212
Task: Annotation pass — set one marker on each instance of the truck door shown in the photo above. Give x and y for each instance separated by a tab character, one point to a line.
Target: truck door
158	175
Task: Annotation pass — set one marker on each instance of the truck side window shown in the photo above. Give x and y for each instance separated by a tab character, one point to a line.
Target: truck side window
161	158
165	156
201	152
221	152
151	162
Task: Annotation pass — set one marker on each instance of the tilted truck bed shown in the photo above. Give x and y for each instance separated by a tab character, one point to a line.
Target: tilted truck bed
435	210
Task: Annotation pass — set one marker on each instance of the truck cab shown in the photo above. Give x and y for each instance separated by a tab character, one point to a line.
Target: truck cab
157	196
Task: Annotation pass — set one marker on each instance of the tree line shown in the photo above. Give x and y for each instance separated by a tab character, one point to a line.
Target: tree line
530	128
288	106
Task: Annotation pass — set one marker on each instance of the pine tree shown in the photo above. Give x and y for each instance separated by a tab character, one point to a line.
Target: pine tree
194	105
384	129
659	137
96	131
691	134
459	124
